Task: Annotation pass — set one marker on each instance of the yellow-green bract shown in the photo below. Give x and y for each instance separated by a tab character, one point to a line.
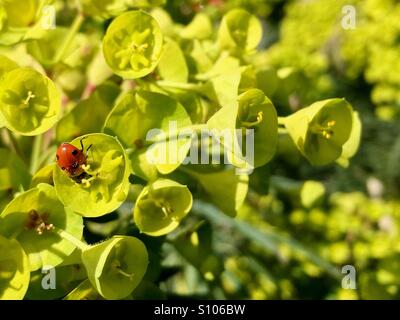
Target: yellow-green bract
107	184
254	114
320	130
13	172
20	20
161	206
226	189
26	219
30	102
115	267
14	270
6	65
239	30
133	44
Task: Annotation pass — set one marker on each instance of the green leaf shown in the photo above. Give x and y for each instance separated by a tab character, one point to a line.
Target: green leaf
172	65
196	247
14	270
44	175
133	45
311	193
225	189
107	184
89	115
66	278
148	291
28	219
116	267
84	291
225	87
98	70
267	81
6	65
46	48
199	28
14	174
103	9
200	57
161	206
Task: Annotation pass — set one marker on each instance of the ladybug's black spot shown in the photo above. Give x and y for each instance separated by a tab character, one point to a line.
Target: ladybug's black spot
63	168
57	157
75	152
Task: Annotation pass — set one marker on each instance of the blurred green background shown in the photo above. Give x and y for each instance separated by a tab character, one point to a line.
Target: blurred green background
294	235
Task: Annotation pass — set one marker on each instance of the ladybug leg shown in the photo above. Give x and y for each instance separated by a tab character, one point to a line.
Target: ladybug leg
87	150
82	146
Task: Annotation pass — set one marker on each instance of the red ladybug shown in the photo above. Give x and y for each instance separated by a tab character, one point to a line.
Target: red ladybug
70	159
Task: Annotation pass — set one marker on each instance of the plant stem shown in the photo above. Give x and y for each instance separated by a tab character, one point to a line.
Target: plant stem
76	242
14	143
180	85
36	152
44	156
76	25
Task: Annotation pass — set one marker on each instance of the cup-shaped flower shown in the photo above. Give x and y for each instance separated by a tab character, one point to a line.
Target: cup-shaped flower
30	103
320	130
133	44
14	270
30	219
17	18
248	129
115	267
104	185
14	10
161	206
239	30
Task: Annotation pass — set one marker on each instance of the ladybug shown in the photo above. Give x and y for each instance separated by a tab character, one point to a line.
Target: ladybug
70	160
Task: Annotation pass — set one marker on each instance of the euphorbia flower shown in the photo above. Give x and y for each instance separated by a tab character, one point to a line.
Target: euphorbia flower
320	130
